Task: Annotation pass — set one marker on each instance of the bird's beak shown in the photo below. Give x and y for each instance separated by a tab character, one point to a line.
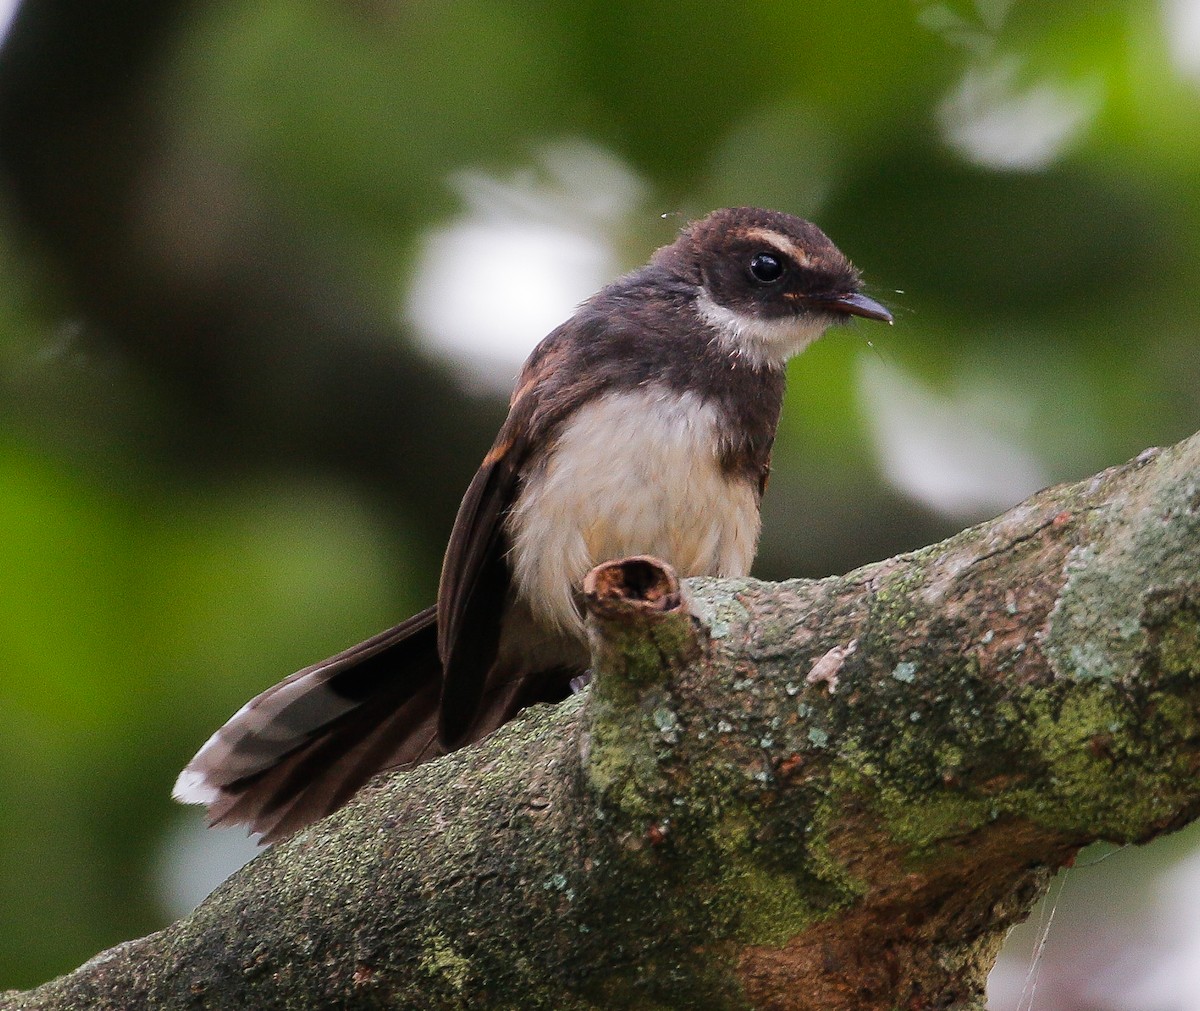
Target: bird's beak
855	304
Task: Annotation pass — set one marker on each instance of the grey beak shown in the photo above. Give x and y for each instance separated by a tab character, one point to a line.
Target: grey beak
855	304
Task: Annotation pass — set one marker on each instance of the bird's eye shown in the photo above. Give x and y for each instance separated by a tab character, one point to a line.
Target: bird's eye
766	268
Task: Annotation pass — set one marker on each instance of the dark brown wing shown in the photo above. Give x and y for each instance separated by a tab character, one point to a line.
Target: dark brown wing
475	584
476	578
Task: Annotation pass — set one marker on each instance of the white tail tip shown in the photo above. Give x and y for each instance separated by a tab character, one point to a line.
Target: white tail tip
193	788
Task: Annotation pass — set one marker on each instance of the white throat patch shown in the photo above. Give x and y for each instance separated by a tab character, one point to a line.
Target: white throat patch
761	342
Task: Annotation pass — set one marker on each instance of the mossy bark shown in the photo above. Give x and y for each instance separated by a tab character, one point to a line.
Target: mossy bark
809	795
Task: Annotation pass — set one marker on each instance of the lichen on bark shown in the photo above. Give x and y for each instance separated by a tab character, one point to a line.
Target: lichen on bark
827	794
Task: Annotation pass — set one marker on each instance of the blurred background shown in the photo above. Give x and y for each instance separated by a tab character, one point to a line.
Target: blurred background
268	269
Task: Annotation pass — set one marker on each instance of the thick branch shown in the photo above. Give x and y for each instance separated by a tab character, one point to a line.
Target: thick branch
834	794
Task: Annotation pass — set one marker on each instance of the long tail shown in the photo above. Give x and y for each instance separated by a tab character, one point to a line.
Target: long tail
303	747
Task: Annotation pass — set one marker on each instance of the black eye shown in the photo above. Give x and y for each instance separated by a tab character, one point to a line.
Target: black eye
766	268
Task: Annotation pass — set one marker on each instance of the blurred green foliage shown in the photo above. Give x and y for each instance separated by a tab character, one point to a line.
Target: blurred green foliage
142	600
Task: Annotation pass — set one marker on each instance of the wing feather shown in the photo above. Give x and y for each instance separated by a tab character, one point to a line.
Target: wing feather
475	586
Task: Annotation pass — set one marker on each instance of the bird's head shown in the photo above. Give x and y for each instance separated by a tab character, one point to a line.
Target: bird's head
769	283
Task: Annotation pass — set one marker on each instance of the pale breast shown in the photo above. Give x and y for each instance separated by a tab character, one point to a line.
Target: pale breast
635	472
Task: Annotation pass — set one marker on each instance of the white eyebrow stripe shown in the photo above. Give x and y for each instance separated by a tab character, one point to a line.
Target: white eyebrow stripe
780	242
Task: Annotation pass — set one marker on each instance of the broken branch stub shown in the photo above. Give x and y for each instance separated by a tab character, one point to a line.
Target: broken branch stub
639	628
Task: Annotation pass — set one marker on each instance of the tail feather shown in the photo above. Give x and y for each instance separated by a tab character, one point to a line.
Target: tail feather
303	747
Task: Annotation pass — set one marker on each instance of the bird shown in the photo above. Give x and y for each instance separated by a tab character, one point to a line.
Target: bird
643	425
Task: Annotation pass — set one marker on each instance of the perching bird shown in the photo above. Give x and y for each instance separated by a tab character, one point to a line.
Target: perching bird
642	425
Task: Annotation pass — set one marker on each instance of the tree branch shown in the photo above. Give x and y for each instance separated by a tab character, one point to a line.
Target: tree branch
835	794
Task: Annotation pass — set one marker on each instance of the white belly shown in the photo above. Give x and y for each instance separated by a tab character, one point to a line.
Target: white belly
632	473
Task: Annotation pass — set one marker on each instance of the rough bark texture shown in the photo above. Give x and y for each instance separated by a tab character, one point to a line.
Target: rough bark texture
808	795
